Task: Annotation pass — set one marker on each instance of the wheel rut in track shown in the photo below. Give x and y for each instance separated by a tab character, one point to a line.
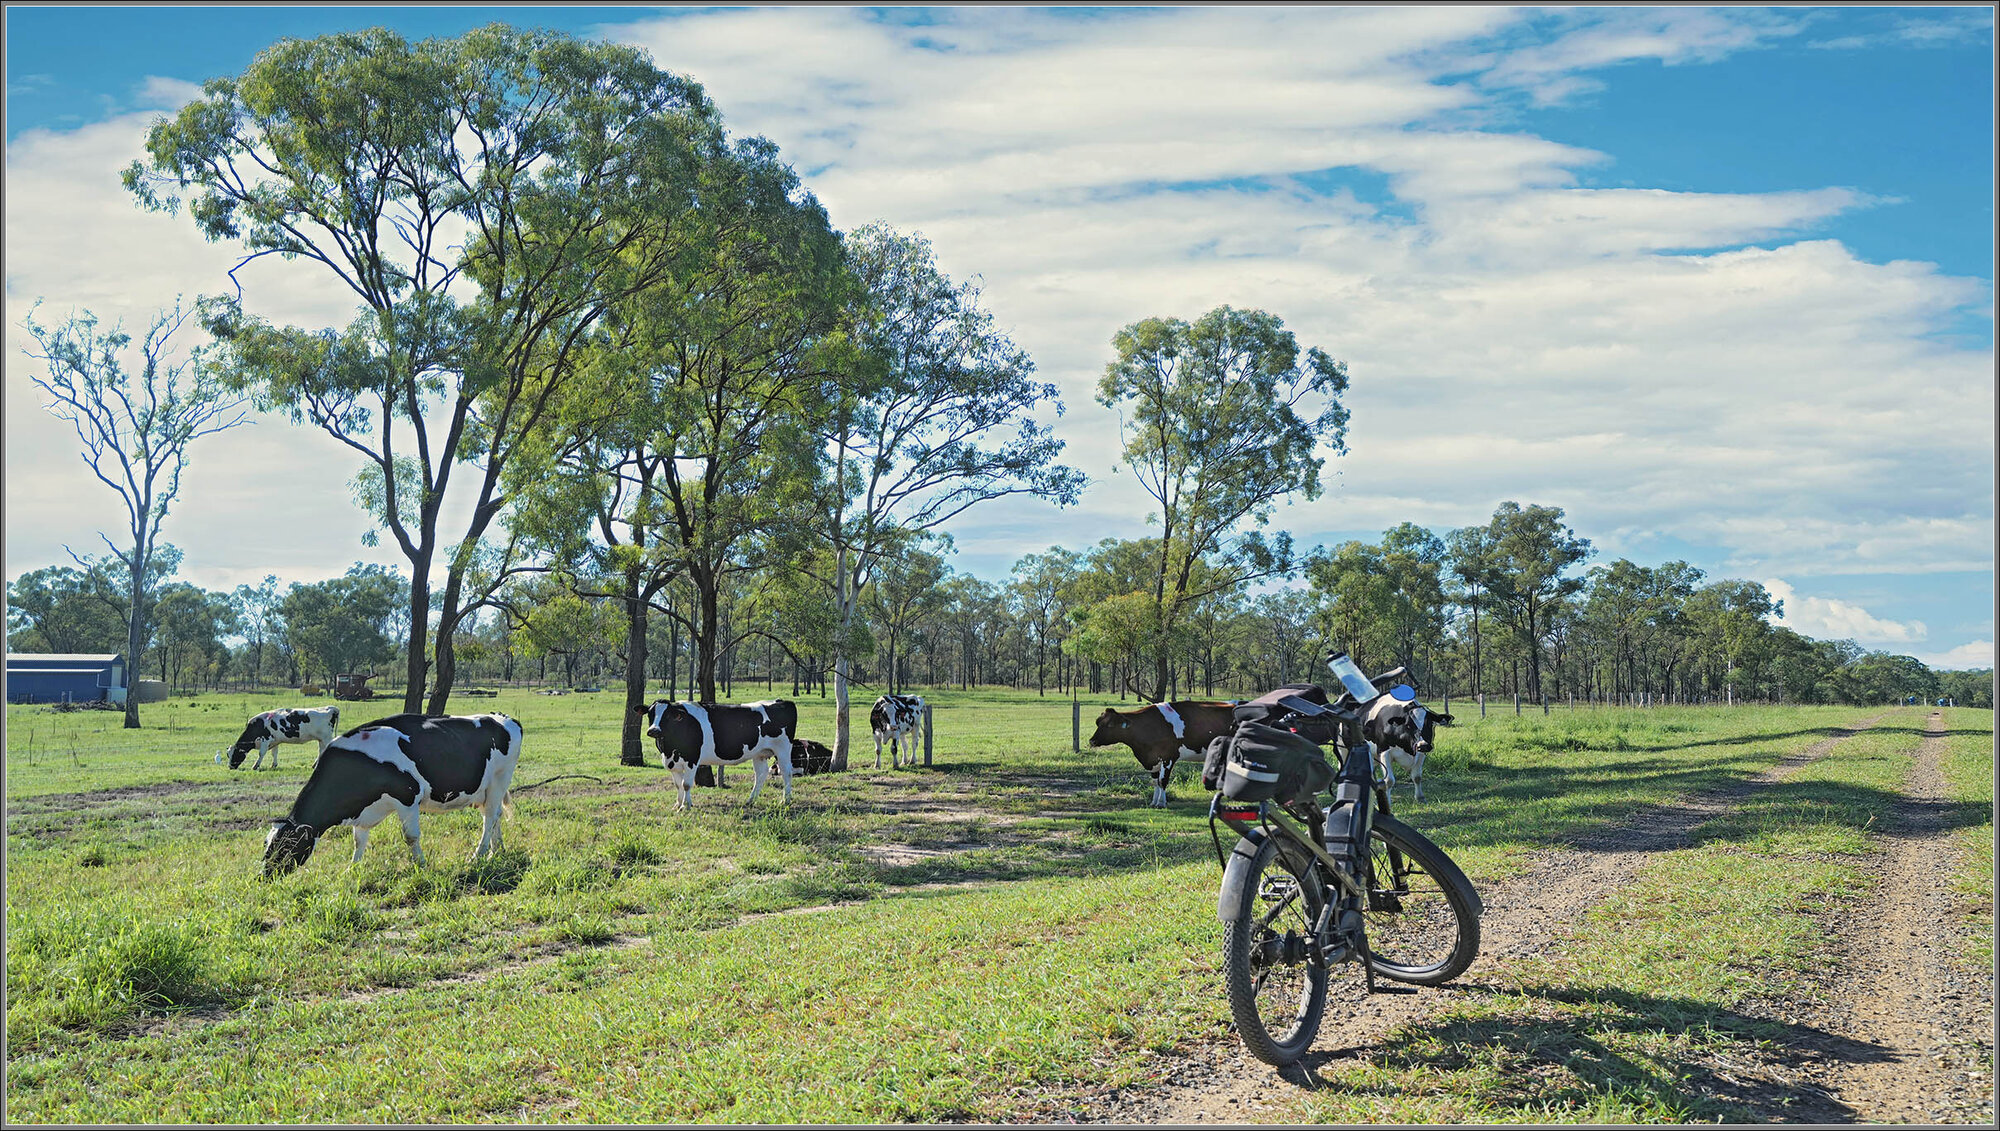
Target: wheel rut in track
1909	1021
1218	1082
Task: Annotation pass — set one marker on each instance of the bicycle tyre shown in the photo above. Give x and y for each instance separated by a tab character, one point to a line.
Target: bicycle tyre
1423	914
1277	1005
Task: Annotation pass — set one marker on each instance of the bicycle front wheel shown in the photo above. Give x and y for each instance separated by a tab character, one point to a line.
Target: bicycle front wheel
1277	994
1423	917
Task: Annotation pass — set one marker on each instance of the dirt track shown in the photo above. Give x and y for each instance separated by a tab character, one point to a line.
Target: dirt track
1899	1031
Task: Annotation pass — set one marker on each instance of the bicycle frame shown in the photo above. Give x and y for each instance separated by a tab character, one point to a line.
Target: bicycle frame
1240	815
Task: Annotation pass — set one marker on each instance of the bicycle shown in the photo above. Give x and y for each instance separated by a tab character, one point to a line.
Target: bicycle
1296	906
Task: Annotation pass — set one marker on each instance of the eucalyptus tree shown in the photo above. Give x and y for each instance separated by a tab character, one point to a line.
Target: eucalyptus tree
933	415
909	585
487	200
1526	576
1730	621
343	624
1042	588
189	624
1467	553
256	608
1222	418
728	365
64	609
136	429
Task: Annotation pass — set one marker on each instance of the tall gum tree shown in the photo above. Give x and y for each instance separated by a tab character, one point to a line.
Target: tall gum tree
933	415
487	199
135	429
1223	418
1525	577
725	370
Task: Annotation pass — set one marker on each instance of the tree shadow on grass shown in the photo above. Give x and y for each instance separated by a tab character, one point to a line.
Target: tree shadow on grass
1551	1049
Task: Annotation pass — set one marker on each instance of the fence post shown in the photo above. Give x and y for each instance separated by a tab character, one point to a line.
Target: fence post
1517	702
1075	726
1482	704
927	734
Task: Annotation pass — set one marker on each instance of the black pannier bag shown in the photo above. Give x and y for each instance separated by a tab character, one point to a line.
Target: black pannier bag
1211	761
1263	763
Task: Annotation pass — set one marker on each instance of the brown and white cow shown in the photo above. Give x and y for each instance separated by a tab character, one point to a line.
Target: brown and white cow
895	720
691	735
1403	731
1161	734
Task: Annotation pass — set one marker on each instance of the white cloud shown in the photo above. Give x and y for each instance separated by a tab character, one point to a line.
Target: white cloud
1974	655
162	93
1825	618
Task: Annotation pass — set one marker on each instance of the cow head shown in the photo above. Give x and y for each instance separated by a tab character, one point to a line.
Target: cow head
1112	726
658	713
287	846
1412	727
237	753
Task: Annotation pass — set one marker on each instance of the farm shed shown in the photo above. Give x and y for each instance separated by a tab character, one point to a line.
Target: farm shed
56	677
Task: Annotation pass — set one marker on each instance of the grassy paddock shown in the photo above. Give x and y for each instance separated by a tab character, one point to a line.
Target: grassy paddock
1646	1014
964	940
1968	772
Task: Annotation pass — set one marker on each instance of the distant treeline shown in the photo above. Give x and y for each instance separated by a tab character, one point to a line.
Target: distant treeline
1508	608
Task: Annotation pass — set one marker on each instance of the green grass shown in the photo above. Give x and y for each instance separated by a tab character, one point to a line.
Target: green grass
1968	772
1639	1016
1008	924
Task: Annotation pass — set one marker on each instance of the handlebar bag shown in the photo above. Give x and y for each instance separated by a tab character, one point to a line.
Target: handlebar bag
1264	762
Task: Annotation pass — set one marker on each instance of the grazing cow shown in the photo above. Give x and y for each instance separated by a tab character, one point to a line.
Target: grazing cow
400	765
693	735
1161	734
1403	732
895	719
272	728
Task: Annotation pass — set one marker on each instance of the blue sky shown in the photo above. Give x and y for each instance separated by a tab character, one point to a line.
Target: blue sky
1716	281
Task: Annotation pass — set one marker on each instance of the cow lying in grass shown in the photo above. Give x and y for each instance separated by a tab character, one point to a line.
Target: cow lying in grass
398	766
273	728
1403	732
698	735
1161	734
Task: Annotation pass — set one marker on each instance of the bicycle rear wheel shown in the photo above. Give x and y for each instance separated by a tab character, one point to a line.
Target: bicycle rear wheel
1423	915
1276	994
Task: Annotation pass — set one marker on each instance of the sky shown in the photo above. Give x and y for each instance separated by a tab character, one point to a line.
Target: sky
1718	282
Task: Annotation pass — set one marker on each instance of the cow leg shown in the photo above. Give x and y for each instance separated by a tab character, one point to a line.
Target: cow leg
1160	774
763	771
785	768
411	832
259	763
878	750
1417	776
360	843
489	837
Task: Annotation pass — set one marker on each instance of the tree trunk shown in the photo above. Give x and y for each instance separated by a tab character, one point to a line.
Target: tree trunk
844	599
135	632
419	642
630	750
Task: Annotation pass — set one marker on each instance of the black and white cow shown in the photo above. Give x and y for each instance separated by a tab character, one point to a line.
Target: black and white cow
809	757
1403	732
400	765
273	728
1161	734
691	735
895	720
